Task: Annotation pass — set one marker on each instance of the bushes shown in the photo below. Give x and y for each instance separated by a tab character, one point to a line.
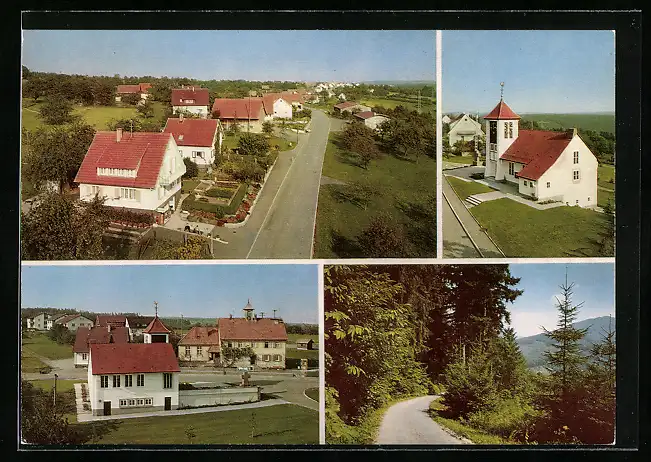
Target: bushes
191	203
477	176
295	363
191	168
220	192
506	418
124	215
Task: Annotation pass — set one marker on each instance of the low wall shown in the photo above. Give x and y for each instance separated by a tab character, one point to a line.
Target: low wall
218	396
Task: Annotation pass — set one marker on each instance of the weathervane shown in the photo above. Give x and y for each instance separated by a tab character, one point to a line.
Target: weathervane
501	90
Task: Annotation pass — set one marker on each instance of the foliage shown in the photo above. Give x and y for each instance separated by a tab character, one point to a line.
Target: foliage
606	247
230	355
146	109
253	144
56	111
61	335
220	192
304	113
408	133
191	168
383	238
59	228
359	139
267	127
56	154
131	99
122	214
192	249
135	124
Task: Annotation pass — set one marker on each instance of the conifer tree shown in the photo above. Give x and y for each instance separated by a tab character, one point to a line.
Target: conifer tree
509	364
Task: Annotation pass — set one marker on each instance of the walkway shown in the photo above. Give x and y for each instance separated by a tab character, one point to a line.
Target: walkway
451	232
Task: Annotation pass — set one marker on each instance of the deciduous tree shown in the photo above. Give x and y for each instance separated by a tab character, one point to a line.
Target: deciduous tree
56	111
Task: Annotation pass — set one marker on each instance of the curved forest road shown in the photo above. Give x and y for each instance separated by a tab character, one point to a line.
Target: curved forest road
408	422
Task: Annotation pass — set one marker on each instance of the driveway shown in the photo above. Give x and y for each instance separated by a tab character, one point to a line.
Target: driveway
282	223
408	422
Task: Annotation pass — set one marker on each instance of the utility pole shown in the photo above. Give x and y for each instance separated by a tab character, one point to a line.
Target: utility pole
248	125
419	101
275	314
55	392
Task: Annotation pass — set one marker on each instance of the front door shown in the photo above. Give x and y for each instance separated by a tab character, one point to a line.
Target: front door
107	408
168	403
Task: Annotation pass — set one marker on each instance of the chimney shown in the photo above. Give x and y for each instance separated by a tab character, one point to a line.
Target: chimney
181	117
118	135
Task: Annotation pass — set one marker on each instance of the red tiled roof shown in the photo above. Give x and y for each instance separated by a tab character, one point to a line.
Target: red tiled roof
156	326
365	114
195	132
291	97
67	318
243	329
239	108
141	151
144	87
201	96
139	321
269	99
103	320
201	336
133	358
98	335
345	104
538	150
502	112
125	89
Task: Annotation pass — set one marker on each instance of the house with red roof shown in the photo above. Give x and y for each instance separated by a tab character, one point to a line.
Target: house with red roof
87	336
464	128
276	106
196	138
140	171
156	332
371	119
74	321
141	89
192	100
248	113
124	378
266	337
545	165
351	107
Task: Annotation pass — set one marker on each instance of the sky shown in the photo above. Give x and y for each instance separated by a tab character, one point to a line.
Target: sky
231	55
536	307
543	71
204	291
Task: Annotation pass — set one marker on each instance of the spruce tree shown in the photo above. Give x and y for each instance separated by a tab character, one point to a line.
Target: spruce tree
509	365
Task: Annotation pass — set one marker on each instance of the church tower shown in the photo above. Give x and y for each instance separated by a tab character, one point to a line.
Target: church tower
501	130
248	310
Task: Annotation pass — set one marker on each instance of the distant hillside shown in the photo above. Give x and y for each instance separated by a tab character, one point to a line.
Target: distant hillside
401	83
599	122
533	347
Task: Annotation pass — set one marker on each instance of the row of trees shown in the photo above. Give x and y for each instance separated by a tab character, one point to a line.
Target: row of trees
395	331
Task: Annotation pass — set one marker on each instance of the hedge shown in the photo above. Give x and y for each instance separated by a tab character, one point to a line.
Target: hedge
190	203
295	363
129	216
220	192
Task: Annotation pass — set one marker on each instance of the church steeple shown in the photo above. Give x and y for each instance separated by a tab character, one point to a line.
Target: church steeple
248	310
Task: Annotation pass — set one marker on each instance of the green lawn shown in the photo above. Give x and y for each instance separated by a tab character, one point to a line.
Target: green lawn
461	429
468	160
302	354
522	231
603	196
392	104
280	424
41	344
313	393
189	185
606	174
62	385
399	188
467	188
30	363
294	337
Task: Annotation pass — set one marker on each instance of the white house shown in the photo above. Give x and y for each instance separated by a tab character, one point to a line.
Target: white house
193	100
74	321
546	165
196	138
247	113
132	377
95	335
139	171
371	119
342	97
276	107
464	128
39	322
446	119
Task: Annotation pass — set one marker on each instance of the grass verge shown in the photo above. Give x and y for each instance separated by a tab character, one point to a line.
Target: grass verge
313	393
467	188
460	428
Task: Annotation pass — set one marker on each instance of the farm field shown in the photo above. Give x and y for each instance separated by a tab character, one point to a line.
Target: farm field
280	424
392	103
597	122
522	231
400	188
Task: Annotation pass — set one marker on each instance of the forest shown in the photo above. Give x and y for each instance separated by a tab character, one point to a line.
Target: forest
394	332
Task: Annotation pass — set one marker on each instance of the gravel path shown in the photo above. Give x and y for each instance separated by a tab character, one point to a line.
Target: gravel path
408	422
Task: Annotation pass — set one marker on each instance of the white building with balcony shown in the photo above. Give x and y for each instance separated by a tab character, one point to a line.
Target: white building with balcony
140	171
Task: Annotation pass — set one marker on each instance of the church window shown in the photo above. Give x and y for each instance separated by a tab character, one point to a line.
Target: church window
511	168
510	129
492	131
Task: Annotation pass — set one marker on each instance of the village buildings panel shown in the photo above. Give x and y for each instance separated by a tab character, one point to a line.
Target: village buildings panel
96	335
546	165
140	171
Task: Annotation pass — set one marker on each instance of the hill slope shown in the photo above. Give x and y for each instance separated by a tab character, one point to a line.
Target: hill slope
533	347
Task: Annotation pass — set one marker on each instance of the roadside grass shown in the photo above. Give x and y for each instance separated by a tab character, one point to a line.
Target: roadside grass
467	188
522	231
468	160
232	141
460	428
279	424
294	337
604	196
29	363
41	344
62	385
313	393
606	173
399	188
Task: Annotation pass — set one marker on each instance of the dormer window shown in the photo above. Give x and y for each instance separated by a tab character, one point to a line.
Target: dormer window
122	172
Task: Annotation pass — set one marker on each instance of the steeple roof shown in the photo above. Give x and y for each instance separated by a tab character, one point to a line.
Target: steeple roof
502	112
156	326
248	305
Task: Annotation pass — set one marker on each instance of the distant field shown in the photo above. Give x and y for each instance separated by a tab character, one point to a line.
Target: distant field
596	122
392	104
97	116
280	424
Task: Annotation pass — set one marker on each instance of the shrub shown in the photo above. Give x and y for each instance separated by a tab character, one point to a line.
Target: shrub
191	168
295	363
506	418
477	176
220	192
129	216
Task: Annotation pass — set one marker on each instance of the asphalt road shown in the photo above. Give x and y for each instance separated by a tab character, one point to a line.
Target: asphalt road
408	422
282	223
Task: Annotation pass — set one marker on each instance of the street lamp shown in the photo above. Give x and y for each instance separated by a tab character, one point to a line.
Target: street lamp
55	391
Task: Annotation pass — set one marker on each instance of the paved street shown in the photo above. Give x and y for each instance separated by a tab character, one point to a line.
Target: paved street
282	223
